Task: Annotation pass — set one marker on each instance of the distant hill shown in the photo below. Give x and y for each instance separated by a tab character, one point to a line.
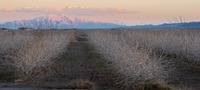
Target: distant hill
57	22
169	25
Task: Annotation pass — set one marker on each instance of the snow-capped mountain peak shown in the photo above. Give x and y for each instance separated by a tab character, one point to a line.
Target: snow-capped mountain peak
57	22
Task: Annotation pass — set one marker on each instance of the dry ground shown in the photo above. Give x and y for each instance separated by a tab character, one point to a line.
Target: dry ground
186	74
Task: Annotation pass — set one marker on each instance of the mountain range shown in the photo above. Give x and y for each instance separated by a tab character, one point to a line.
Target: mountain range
57	22
63	22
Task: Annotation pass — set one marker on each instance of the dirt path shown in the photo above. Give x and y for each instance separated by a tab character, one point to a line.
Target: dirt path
85	63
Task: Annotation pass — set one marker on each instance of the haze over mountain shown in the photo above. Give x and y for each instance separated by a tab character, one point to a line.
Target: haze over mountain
57	22
63	22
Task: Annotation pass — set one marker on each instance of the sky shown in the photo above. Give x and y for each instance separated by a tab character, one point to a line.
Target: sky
126	12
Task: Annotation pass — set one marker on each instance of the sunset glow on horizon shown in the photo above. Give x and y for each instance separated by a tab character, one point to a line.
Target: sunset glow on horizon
129	12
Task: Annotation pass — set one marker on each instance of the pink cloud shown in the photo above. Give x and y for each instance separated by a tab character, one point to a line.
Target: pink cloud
96	11
88	11
6	10
36	9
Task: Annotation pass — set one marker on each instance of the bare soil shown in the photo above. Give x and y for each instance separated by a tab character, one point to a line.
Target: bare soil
186	74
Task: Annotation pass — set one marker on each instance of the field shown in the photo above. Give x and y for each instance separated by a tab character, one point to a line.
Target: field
118	59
